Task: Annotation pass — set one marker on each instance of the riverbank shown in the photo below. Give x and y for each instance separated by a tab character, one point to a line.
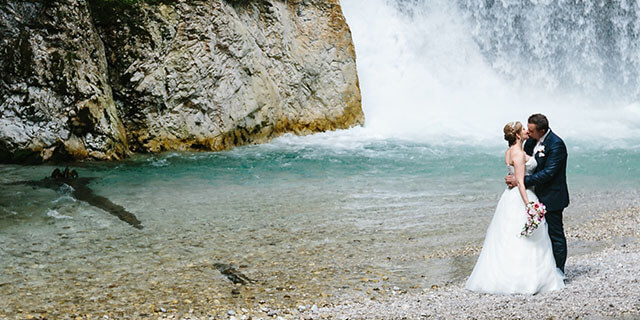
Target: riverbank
600	285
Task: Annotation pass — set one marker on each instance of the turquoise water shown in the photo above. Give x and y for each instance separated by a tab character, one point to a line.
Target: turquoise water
328	205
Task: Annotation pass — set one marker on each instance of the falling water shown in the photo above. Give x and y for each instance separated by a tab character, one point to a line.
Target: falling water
452	71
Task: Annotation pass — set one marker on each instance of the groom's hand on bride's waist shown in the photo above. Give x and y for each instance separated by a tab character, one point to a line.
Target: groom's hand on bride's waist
511	181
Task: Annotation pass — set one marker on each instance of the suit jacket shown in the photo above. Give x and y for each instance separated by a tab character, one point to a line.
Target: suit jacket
550	177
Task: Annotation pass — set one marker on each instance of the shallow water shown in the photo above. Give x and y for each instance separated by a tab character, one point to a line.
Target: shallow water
308	218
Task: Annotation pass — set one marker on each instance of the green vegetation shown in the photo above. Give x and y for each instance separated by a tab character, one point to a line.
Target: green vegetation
105	12
129	3
123	3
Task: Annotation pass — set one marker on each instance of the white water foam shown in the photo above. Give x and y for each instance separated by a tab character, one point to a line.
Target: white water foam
64	198
65	189
9	212
56	215
159	163
424	78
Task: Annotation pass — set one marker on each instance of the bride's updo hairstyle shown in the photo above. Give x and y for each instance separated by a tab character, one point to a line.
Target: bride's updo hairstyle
511	130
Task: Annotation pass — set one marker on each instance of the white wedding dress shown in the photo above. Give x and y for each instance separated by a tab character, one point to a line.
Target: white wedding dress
510	263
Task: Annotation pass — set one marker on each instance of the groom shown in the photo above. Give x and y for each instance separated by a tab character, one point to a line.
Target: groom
549	180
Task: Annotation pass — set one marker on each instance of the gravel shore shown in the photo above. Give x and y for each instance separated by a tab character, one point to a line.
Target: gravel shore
603	272
600	285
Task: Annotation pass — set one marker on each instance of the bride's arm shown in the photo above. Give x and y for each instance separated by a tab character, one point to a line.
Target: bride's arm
518	164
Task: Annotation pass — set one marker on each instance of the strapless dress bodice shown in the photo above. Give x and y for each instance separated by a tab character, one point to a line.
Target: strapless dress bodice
529	167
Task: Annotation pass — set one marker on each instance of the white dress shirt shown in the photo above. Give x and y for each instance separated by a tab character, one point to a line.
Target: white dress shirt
538	146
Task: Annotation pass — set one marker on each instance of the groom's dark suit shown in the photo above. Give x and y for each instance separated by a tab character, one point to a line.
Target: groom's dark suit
550	181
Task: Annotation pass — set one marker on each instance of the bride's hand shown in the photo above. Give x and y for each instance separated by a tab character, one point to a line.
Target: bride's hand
511	181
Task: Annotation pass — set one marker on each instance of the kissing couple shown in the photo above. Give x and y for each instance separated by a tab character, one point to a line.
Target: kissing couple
513	261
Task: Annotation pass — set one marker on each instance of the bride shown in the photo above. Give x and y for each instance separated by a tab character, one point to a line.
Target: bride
510	263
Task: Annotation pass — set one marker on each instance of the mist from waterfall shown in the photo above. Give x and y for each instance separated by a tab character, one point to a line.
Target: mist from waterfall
443	71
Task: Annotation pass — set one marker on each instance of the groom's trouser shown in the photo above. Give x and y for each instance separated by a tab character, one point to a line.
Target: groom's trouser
558	240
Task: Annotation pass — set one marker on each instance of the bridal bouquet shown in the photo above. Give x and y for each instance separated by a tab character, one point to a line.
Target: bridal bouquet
535	213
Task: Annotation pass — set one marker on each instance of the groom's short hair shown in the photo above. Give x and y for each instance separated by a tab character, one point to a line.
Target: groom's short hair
540	121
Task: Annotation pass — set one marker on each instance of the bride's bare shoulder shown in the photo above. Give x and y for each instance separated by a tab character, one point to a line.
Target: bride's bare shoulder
508	157
516	155
513	155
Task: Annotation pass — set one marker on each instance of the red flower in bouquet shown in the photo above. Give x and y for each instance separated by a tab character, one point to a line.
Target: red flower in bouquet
535	212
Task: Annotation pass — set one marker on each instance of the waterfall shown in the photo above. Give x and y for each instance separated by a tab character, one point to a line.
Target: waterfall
448	71
587	45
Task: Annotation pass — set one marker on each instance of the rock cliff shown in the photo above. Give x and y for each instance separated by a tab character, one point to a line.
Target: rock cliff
55	98
101	78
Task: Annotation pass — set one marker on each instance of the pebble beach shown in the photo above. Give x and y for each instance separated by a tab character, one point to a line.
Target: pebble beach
601	284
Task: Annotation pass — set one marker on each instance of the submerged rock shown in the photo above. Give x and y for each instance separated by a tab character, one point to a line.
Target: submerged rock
79	187
232	274
96	79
